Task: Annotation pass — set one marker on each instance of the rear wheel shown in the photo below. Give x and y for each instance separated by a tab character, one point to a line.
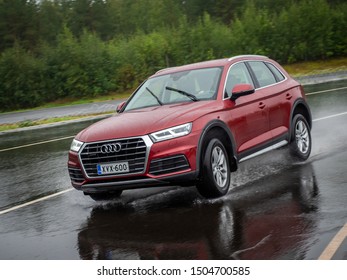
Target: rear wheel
104	196
215	172
300	147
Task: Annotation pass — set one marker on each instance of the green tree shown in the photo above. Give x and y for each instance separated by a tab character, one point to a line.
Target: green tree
80	17
80	67
18	22
22	79
51	19
310	30
253	31
338	45
130	17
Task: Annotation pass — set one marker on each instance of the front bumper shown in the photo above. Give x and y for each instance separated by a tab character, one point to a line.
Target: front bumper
101	187
171	162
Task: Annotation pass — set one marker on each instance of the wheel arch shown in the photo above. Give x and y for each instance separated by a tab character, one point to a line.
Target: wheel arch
300	107
217	127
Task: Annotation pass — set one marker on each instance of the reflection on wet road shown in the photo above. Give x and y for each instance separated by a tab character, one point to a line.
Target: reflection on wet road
276	209
251	223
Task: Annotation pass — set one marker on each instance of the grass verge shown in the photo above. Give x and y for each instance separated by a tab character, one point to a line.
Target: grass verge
316	67
29	123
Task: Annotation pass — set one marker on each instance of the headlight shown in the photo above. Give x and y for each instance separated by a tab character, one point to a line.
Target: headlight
76	145
173	132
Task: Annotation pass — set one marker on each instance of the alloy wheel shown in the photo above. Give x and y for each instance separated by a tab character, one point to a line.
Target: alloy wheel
302	137
219	167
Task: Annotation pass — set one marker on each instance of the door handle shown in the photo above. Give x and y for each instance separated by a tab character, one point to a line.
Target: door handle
288	95
261	105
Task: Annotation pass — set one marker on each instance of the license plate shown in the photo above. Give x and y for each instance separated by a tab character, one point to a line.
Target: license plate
113	168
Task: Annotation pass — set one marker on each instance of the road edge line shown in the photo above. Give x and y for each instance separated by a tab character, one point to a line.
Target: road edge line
37	143
329	117
334	244
323	91
33	201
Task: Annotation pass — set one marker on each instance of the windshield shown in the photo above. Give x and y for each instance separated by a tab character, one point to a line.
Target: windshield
185	86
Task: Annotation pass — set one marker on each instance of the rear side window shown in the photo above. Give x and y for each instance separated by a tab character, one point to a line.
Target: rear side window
262	73
238	74
276	72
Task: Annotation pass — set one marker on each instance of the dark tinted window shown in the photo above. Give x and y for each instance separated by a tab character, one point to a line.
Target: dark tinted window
262	73
277	72
238	74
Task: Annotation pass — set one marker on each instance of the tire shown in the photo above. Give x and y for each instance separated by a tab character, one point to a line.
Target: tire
215	172
104	196
301	141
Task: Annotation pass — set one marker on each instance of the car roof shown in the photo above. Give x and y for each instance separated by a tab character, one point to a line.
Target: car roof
210	63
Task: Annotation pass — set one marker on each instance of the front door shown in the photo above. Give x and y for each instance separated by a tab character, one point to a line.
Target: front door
249	115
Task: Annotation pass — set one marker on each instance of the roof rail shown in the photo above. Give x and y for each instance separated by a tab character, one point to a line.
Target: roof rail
161	70
247	55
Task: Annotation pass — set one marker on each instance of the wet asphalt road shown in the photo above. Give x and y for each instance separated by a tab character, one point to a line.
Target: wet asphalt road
276	209
73	110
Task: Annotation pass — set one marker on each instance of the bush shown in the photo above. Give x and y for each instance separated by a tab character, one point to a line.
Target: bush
205	40
22	79
79	67
307	30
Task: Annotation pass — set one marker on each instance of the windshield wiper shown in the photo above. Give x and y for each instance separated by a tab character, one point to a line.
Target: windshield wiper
191	96
156	97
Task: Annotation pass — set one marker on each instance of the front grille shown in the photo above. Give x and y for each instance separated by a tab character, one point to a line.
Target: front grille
133	151
76	175
168	165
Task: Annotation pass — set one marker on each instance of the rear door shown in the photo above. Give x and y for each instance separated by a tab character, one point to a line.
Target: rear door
274	94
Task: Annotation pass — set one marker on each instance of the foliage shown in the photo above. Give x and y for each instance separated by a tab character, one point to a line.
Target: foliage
207	39
78	67
54	49
22	79
307	30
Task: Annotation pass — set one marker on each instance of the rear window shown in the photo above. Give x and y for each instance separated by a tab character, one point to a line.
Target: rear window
276	72
262	73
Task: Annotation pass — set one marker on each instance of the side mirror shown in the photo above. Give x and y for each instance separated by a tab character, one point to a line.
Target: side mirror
241	90
120	106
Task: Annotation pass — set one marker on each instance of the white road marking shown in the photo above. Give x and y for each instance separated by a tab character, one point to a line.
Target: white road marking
334	244
33	201
37	143
323	91
329	117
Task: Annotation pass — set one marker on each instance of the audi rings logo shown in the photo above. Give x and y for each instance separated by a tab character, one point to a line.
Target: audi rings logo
111	148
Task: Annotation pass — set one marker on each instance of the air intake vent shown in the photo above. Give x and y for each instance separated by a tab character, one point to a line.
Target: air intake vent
168	165
76	175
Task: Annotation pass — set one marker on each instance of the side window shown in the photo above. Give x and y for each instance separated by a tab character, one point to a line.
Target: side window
277	73
262	73
238	74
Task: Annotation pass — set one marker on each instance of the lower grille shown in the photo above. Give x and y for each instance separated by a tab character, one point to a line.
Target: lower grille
168	165
76	175
132	150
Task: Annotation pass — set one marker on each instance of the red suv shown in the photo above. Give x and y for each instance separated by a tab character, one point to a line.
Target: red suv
192	125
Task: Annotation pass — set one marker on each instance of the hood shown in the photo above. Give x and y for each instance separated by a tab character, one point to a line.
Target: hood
144	121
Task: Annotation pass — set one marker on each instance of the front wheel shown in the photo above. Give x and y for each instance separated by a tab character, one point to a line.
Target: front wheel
300	146
215	171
